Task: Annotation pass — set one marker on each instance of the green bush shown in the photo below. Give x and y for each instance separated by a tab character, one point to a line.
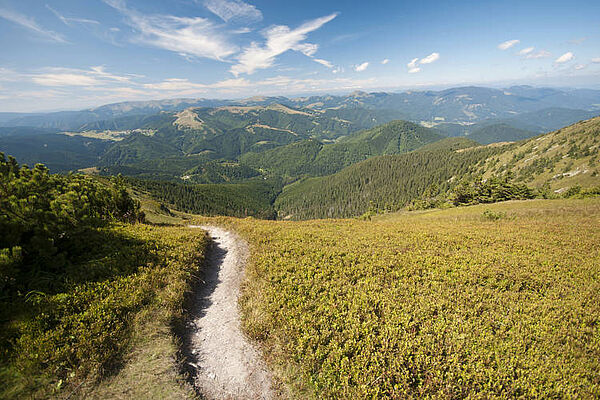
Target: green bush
45	218
492	190
493	215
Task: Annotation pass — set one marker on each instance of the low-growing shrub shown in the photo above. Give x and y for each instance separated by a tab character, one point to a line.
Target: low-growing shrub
493	215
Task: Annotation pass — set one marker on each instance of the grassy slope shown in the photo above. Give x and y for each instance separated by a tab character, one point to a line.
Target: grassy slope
564	158
441	304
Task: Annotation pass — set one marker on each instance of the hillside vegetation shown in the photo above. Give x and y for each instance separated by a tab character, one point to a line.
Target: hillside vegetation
442	304
252	198
559	160
83	288
499	133
380	183
551	163
314	158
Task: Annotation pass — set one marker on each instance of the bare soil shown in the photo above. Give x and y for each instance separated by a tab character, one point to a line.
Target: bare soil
223	363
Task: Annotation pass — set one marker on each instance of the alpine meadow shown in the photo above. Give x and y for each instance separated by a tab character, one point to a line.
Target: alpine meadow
245	199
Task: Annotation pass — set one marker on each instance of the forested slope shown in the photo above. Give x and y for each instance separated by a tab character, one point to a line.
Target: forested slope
385	182
314	158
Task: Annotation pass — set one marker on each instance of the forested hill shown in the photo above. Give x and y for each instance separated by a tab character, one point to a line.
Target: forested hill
555	162
384	182
315	158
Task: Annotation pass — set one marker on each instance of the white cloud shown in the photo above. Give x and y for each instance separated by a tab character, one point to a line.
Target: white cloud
526	51
188	36
412	66
385	61
64	79
279	39
242	86
430	58
596	60
8	75
68	21
580	66
323	62
538	54
100	71
77	77
29	23
233	10
361	67
508	44
568	56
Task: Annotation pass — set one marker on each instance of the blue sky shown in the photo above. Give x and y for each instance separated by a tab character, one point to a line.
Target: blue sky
72	54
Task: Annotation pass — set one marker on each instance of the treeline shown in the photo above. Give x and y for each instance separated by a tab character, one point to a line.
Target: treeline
475	190
252	198
195	169
44	218
381	183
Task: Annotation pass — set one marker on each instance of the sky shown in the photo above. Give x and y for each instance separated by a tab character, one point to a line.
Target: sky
74	54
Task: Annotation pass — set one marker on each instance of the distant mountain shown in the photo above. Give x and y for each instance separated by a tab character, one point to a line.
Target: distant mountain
456	105
549	119
499	133
77	120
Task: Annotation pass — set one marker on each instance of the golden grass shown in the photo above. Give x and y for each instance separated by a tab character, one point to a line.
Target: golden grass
439	304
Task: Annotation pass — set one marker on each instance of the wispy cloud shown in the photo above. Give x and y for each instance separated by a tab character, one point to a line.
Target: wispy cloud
430	58
508	44
526	51
188	36
596	60
568	56
64	79
270	85
324	62
412	66
538	54
579	66
232	10
385	61
361	67
69	21
279	39
29	23
96	75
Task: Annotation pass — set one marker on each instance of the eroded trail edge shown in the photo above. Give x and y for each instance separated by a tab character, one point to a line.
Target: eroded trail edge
225	365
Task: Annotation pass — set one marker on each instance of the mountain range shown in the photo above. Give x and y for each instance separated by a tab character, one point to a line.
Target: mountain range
301	147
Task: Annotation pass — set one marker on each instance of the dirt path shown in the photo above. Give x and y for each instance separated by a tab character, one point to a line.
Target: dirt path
225	365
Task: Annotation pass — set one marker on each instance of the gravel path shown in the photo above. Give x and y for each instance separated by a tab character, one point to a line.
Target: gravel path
224	364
